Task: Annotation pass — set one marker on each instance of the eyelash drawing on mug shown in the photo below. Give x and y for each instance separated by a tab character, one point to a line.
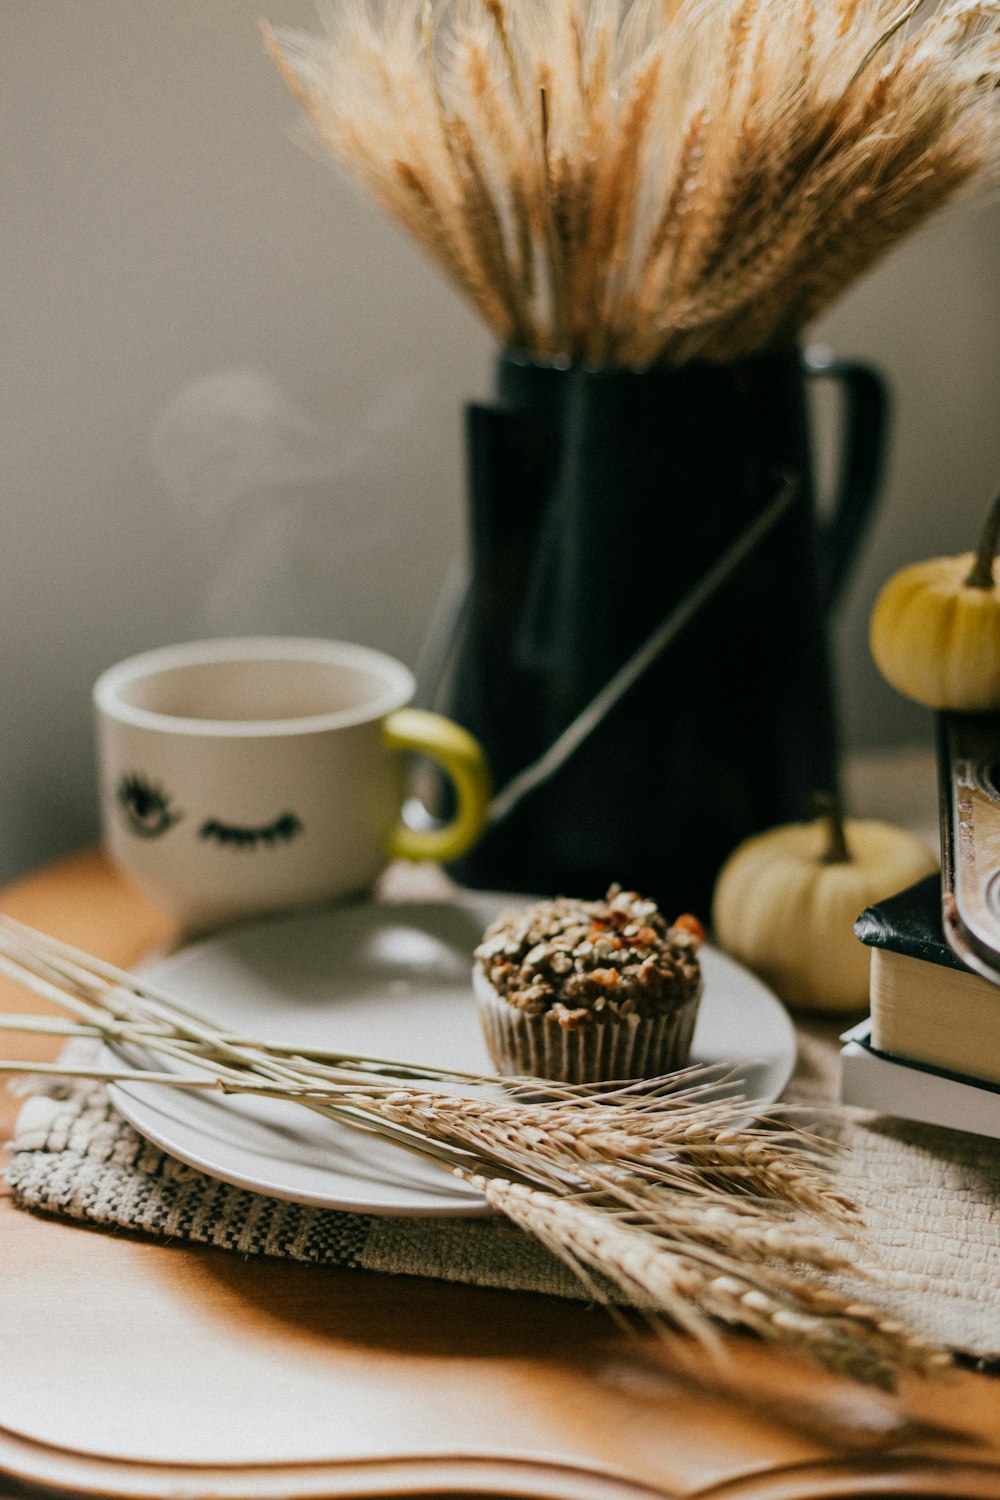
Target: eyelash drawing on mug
282	830
146	806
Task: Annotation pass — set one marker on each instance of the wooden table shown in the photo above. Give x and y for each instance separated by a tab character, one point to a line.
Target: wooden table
144	1369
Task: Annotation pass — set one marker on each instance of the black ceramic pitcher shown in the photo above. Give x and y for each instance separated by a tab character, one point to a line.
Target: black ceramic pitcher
599	500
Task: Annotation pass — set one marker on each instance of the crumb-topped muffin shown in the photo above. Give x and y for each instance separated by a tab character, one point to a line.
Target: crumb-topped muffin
589	991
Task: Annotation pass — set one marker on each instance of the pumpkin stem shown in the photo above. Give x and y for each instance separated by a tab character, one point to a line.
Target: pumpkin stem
981	576
828	812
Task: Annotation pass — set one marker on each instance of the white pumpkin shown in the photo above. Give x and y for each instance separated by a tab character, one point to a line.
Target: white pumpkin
786	901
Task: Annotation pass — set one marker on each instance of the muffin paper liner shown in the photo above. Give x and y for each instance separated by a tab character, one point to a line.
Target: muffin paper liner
617	1048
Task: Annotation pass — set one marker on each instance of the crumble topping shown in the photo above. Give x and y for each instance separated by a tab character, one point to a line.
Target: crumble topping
578	959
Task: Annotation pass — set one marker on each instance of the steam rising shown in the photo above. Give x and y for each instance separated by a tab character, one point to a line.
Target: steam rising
289	516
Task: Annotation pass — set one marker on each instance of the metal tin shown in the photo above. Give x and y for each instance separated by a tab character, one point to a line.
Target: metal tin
969	807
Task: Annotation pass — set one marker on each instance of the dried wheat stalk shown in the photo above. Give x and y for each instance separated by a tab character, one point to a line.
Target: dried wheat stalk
652	1193
633	182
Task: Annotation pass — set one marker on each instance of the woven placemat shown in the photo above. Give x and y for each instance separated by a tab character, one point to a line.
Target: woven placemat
931	1200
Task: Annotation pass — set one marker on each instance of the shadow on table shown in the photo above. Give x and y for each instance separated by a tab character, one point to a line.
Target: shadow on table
417	1321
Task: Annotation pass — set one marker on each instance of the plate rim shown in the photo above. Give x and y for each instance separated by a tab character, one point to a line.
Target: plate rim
134	1106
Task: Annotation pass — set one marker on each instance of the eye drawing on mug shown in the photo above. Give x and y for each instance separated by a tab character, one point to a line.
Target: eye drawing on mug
282	830
146	807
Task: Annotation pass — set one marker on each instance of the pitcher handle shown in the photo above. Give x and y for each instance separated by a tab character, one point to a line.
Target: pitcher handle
865	422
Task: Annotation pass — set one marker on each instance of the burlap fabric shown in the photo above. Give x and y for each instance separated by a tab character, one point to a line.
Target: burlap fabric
931	1200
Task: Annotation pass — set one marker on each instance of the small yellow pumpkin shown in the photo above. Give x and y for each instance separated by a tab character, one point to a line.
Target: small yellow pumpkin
786	901
935	629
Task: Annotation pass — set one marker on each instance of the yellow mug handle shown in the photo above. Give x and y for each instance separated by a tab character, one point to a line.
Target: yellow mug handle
461	756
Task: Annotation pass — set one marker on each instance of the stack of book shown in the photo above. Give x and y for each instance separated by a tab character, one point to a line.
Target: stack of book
930	1050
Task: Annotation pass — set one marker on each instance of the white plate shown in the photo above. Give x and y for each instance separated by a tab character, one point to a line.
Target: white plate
390	981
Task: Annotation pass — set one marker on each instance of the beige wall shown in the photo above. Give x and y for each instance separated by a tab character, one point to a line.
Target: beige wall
930	317
230	396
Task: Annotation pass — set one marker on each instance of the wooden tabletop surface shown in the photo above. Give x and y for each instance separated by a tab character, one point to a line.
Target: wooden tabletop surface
136	1368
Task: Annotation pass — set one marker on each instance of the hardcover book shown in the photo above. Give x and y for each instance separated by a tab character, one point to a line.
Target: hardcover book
915	1091
926	1006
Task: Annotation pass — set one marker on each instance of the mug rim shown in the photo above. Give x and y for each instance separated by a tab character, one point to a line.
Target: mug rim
399	685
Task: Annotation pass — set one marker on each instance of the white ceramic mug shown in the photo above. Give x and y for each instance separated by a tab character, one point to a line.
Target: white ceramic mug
249	775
